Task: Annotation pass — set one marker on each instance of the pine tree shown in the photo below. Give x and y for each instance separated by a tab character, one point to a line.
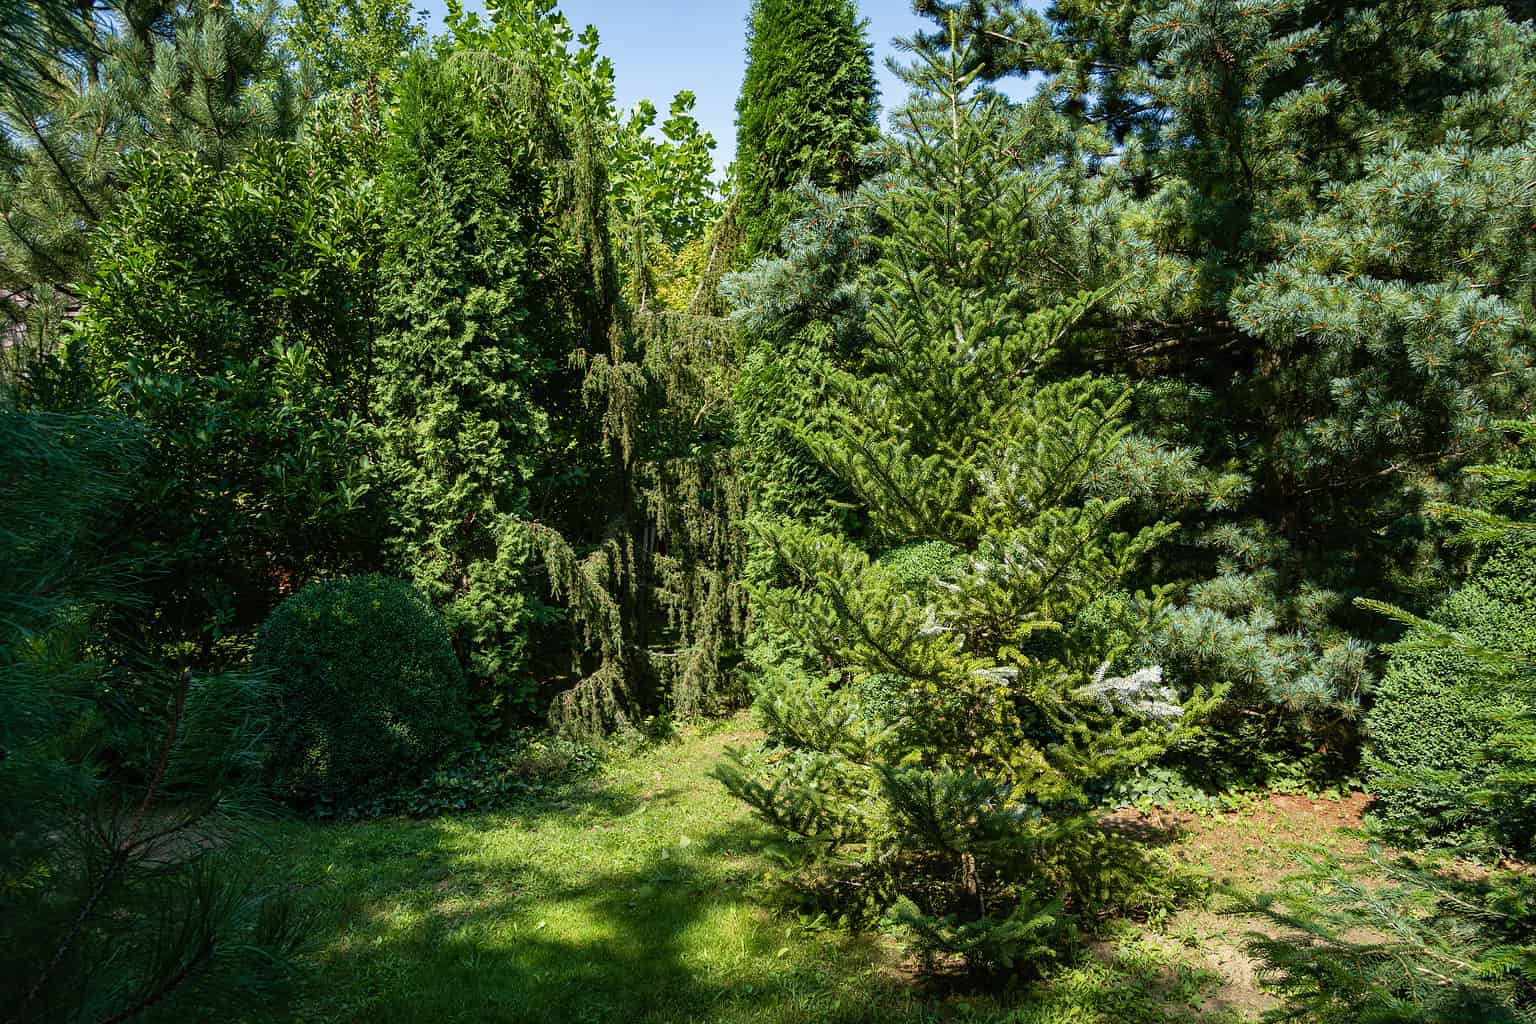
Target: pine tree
807	106
202	78
122	780
959	679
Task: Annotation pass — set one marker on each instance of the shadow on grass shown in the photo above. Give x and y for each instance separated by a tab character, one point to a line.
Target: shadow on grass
443	932
623	903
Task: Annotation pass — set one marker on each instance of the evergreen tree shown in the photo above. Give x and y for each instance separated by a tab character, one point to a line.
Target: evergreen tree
957	681
1329	299
487	292
646	579
203	78
1429	941
232	314
122	780
807	106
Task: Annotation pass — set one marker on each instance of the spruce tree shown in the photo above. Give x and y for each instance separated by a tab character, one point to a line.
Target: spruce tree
954	684
807	106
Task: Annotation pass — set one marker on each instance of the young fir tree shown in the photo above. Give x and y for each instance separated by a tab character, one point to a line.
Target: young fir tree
807	106
957	682
1330	303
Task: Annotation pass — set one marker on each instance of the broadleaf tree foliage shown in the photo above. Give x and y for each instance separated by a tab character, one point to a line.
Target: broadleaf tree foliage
198	78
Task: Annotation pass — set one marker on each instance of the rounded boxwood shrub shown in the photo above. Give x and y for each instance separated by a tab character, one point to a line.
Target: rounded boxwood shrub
367	692
1436	711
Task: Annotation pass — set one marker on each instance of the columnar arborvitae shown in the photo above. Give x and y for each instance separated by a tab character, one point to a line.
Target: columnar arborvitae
951	685
807	106
485	292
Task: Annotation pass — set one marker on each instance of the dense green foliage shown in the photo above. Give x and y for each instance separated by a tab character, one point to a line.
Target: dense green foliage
230	315
1437	942
1439	711
367	693
122	777
1011	688
202	79
486	290
1319	212
1385	940
1059	446
806	108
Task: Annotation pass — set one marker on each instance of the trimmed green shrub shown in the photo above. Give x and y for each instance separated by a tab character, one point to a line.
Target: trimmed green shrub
1438	710
368	693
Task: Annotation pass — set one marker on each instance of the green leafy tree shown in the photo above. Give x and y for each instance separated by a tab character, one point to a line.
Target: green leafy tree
959	680
352	44
807	106
664	195
231	313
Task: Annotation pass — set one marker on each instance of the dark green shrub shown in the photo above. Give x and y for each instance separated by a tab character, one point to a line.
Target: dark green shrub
1438	710
367	690
922	564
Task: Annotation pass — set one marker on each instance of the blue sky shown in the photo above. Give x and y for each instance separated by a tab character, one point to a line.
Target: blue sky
660	48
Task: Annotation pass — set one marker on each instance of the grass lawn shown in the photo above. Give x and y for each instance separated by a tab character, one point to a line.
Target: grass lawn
630	897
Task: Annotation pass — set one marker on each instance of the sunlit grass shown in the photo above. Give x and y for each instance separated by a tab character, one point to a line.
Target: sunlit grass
632	897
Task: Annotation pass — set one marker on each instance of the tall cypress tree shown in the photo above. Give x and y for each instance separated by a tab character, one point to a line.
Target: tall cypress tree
807	105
